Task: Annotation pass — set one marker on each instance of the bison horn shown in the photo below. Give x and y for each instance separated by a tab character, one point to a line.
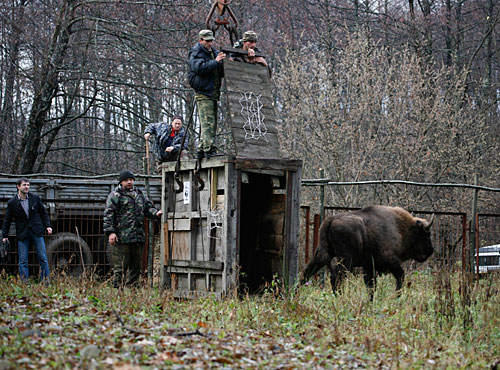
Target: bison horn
429	224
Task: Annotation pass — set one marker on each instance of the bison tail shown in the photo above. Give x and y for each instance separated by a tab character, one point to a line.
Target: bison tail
321	256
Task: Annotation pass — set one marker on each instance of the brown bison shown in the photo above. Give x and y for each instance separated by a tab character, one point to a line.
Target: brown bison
376	238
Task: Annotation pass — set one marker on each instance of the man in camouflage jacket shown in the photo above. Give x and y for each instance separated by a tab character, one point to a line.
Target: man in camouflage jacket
126	208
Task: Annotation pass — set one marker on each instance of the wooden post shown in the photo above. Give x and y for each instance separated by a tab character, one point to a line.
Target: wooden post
308	226
316	223
231	228
472	229
149	233
321	216
164	248
476	247
147	158
321	197
213	188
464	246
292	226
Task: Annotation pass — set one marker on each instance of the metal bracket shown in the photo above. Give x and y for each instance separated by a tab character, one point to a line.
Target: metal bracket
228	21
197	178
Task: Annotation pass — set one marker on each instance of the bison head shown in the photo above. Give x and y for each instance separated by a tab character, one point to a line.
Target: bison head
423	248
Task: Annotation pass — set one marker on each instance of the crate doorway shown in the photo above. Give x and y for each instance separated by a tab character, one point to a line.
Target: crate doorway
261	231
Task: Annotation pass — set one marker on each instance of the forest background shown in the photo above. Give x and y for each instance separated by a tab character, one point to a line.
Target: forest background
366	90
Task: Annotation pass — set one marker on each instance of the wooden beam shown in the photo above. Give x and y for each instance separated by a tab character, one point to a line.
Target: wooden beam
203	265
239	51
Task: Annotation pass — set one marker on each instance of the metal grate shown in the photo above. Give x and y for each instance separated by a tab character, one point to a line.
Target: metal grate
488	229
78	242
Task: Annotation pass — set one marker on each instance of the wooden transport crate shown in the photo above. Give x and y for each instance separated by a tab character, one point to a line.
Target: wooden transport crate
240	231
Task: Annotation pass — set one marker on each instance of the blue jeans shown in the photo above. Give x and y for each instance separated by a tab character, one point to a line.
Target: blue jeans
23	247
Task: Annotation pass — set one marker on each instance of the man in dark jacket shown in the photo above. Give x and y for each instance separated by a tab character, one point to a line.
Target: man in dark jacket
168	138
32	220
126	208
205	74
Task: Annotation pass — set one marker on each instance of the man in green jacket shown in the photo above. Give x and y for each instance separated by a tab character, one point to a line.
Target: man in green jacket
126	208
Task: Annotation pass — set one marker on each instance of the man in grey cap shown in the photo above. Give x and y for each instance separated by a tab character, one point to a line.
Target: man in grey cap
248	43
205	75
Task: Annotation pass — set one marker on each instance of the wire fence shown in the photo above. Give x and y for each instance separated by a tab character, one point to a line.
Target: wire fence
79	244
456	235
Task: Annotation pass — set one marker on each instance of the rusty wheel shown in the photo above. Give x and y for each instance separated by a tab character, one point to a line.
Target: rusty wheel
65	252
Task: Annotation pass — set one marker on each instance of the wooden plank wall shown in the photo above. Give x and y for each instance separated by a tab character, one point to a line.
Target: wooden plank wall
196	263
241	80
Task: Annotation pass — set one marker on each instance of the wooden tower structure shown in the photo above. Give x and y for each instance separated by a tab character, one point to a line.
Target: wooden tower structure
235	224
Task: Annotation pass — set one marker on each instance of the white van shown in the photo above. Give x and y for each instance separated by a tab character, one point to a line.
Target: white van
489	259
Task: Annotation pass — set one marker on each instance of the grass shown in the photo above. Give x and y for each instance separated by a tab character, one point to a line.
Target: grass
88	324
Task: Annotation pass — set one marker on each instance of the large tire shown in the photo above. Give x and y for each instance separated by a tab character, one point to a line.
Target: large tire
63	253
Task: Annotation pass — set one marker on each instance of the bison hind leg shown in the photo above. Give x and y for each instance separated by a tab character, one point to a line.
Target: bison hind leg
337	274
399	274
338	271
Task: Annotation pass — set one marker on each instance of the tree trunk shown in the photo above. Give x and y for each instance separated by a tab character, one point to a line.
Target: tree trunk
27	154
12	47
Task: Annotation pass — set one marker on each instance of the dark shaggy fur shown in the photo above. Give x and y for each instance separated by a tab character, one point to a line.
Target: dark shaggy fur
376	238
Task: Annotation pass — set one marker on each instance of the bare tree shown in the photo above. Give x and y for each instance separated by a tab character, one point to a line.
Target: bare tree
94	74
12	40
379	115
24	161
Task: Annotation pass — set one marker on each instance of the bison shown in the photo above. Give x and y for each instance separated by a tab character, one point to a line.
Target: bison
376	238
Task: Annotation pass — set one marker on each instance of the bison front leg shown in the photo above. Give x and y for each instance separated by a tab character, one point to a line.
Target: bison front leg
370	278
399	274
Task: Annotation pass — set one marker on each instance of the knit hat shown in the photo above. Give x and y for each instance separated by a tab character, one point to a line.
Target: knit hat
125	174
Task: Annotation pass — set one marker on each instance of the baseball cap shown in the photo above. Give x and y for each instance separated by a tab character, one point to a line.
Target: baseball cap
250	36
206	35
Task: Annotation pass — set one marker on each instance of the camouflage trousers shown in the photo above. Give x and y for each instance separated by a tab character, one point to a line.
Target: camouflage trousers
126	264
207	111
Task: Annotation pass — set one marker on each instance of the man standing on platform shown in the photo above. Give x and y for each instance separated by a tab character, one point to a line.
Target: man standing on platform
205	76
249	44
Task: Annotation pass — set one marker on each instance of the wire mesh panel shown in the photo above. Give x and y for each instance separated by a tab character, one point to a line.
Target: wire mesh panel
79	243
488	229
